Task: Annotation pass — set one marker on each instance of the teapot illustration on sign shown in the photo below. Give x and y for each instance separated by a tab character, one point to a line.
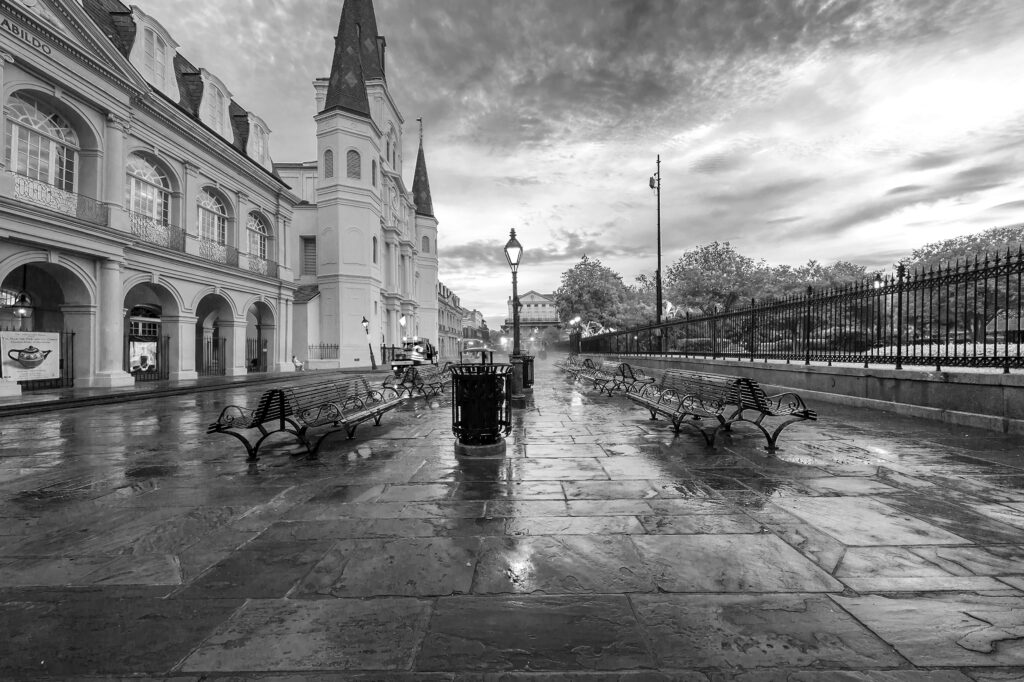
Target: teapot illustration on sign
30	357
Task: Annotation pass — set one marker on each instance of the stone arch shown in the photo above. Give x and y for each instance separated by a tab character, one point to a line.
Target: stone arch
261	336
152	347
175	304
220	334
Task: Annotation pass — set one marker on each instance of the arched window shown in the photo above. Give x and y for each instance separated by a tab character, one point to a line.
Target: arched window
259	236
213	218
374	249
40	143
426	245
148	190
155	59
373	172
354	164
328	164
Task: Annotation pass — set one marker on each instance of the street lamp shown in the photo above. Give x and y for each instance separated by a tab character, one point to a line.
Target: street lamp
401	322
656	186
366	328
513	253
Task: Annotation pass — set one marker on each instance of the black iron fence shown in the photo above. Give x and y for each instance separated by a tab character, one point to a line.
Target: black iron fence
961	315
324	351
211	356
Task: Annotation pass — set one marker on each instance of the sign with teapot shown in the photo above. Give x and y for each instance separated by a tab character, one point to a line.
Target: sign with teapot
30	355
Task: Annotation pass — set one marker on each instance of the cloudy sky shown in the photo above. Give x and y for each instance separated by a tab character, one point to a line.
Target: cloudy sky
796	129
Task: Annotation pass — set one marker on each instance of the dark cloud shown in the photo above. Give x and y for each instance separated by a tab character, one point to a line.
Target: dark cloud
904	189
933	160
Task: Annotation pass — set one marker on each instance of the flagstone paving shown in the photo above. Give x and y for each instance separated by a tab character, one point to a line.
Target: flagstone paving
603	546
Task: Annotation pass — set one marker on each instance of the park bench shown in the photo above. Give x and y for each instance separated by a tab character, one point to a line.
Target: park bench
578	365
570	362
631	379
429	380
401	382
339	405
686	397
602	376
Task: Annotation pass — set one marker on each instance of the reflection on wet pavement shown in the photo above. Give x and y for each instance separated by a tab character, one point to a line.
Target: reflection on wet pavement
131	543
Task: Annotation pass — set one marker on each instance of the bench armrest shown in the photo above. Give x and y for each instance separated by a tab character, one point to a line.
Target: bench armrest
786	403
236	417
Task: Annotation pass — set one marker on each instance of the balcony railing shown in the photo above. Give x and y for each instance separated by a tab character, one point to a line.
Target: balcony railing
55	199
209	249
263	267
149	229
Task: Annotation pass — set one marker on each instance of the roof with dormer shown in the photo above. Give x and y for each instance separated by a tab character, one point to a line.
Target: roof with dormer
357	59
421	186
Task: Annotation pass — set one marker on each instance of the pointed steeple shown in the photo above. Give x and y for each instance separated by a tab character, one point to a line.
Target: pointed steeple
420	183
357	58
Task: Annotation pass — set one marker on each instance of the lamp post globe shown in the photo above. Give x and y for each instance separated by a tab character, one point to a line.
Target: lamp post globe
513	254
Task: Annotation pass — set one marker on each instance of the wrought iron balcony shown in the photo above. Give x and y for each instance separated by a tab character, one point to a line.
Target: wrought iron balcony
149	229
209	249
263	267
53	198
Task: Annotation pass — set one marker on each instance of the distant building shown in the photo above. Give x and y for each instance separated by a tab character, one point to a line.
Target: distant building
474	326
449	328
538	313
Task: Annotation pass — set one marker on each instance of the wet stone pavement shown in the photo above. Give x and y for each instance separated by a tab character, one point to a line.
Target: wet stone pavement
603	547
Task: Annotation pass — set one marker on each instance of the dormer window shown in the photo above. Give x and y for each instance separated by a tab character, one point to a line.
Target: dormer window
155	59
216	106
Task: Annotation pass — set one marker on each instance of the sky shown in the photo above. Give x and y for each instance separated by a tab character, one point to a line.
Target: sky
796	130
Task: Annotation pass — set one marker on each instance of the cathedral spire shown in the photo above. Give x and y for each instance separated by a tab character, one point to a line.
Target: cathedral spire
357	58
420	183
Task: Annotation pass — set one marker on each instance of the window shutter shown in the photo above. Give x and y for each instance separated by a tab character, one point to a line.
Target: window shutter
309	256
354	164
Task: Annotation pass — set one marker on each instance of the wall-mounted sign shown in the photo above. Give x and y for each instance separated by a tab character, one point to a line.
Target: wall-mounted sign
24	36
30	355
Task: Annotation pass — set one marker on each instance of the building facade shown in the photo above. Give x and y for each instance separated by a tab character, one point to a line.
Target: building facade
449	329
146	233
367	244
141	223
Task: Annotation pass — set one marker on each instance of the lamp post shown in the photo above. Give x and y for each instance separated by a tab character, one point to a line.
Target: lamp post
513	254
656	186
366	328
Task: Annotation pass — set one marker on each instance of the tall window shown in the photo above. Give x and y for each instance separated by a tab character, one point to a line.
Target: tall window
155	59
354	164
328	164
258	236
308	265
374	249
258	144
148	190
426	245
373	172
40	144
215	107
213	218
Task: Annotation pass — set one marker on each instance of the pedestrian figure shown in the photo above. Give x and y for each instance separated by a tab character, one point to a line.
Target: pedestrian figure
298	364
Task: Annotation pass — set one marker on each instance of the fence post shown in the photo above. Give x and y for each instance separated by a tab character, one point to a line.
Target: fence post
807	327
900	270
753	325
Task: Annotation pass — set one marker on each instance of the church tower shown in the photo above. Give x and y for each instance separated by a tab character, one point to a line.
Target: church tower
364	240
426	239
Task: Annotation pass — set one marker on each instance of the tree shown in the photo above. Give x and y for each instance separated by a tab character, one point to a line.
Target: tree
596	293
714	277
947	252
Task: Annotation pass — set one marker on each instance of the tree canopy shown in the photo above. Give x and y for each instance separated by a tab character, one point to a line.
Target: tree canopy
947	252
597	294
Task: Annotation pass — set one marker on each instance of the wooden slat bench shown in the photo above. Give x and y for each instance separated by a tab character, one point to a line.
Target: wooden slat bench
686	397
602	376
401	382
338	405
632	379
429	380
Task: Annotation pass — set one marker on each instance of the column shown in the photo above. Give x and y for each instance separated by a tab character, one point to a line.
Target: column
5	59
80	319
182	331
114	162
235	363
110	335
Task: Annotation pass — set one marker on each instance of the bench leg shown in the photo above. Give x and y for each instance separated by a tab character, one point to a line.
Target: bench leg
249	449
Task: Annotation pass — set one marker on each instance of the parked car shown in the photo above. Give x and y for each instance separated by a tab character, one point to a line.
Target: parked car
415	350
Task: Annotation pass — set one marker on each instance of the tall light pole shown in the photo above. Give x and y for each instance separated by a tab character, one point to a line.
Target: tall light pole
656	186
366	328
513	253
